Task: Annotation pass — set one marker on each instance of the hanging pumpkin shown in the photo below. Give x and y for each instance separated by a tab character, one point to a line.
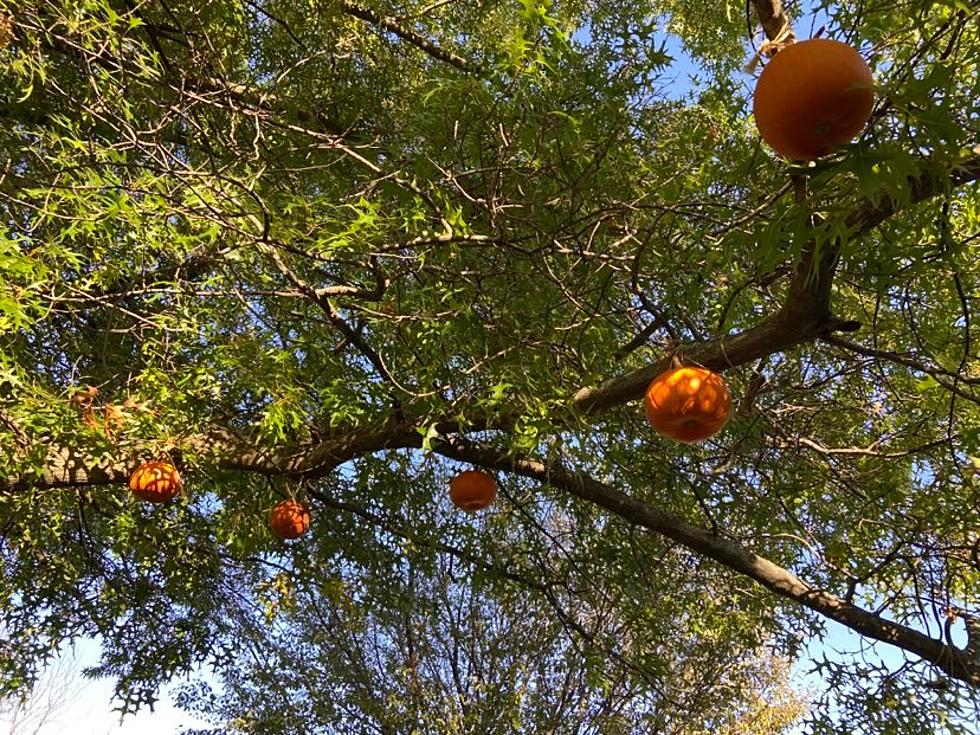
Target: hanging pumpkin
290	519
688	404
812	97
155	482
472	490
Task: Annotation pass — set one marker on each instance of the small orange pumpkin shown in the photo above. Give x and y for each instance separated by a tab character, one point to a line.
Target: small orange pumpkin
472	490
688	404
155	482
290	519
812	97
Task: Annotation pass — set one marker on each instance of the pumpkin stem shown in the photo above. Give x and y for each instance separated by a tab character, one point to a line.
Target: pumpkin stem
298	491
674	355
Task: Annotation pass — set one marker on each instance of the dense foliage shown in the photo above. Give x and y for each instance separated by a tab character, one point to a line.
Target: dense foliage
341	252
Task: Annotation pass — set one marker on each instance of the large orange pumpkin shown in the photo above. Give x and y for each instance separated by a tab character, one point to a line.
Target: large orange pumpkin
688	404
155	482
472	490
812	97
289	519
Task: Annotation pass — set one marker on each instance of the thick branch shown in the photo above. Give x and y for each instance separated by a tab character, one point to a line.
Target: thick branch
728	553
921	187
773	19
70	467
805	314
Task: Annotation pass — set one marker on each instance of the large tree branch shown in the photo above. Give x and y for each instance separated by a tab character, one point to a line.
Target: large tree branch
805	314
924	186
736	557
774	20
804	317
67	466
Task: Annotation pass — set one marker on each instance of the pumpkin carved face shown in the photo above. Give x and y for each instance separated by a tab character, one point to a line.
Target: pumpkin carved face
472	490
155	482
688	404
290	519
812	97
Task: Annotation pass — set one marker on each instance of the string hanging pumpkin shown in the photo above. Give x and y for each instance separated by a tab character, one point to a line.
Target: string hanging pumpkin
688	404
155	482
472	490
812	97
289	520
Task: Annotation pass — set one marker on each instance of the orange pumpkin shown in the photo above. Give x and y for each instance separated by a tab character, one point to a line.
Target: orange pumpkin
290	519
688	404
472	490
812	97
155	482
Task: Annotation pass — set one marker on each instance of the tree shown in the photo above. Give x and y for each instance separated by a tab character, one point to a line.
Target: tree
47	700
342	251
430	649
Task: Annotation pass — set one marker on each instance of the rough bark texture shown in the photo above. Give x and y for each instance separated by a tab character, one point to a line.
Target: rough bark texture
774	19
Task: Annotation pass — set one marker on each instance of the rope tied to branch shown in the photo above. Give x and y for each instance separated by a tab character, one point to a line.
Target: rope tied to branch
771	47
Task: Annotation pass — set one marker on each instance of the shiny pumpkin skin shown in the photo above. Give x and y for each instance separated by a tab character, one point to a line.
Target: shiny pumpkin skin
472	490
812	97
688	404
289	520
155	482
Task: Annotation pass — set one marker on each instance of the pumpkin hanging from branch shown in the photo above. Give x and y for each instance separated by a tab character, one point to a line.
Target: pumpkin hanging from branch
688	404
155	482
812	97
472	490
289	520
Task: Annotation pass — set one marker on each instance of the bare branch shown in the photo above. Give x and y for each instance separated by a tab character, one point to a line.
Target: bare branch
420	42
945	378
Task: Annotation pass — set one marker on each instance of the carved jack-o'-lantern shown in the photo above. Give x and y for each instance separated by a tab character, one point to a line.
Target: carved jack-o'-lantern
290	519
688	404
155	482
